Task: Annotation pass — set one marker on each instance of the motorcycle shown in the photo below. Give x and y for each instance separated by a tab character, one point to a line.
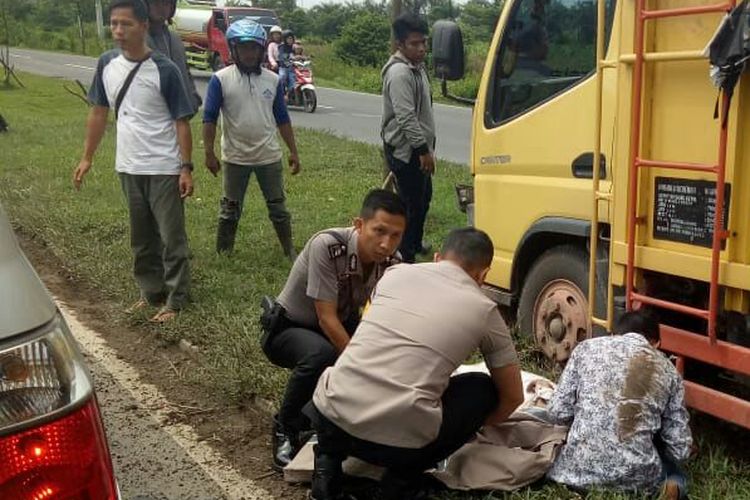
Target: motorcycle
303	94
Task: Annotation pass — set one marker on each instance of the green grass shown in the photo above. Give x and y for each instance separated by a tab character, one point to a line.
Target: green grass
88	231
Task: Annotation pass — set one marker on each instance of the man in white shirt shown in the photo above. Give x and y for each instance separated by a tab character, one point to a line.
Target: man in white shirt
154	147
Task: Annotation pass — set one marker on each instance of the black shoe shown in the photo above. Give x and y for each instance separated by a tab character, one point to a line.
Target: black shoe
285	446
393	487
327	478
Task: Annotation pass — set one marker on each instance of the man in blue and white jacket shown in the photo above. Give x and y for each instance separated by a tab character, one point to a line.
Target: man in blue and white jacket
250	100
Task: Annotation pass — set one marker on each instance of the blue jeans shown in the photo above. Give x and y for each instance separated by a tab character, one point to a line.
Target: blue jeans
287	78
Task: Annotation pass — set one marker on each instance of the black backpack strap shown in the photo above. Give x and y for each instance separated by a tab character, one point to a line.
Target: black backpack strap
126	86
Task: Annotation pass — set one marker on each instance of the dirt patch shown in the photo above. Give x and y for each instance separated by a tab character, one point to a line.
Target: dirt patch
240	433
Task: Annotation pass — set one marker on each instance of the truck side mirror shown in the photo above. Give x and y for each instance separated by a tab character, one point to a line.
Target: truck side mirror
448	50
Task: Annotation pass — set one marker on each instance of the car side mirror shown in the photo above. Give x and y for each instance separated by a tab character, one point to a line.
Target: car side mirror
447	50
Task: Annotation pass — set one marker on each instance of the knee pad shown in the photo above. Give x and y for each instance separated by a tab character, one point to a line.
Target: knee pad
230	209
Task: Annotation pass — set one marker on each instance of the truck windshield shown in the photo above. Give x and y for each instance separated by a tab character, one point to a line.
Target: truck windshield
262	19
547	47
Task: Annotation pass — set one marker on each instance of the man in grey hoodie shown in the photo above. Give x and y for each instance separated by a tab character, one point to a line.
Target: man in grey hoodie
408	126
166	41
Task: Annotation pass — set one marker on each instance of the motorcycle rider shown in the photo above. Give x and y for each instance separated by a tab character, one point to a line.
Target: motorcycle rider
251	103
286	51
161	39
273	48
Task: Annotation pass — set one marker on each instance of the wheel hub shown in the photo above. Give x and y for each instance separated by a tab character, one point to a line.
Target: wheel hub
560	319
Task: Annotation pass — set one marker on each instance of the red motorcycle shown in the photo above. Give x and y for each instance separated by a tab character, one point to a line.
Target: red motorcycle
303	94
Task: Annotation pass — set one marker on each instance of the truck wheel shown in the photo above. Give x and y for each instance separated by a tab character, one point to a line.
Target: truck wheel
216	63
553	309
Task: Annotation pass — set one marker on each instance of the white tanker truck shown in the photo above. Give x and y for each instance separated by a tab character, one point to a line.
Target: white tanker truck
202	23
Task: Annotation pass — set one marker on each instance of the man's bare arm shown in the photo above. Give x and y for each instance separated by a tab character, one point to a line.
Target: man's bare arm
329	322
509	388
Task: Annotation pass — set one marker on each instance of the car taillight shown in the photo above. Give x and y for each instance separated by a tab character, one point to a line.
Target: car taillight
52	443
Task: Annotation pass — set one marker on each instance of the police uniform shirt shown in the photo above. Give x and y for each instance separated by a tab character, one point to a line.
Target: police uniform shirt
330	271
423	322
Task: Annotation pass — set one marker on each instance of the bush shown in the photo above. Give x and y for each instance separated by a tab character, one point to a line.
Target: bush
365	40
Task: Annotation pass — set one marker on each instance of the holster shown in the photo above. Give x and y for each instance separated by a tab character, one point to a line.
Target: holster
272	321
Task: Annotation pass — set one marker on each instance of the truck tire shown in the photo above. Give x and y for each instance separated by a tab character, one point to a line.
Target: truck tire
553	309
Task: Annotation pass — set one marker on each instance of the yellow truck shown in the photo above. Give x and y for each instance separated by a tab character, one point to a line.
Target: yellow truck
664	219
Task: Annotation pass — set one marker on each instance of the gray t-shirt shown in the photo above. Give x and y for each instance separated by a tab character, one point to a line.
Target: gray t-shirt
169	43
330	270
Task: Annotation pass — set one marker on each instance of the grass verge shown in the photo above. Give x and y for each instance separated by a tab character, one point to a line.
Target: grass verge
89	232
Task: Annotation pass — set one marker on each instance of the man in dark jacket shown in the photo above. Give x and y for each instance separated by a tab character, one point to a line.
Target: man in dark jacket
162	39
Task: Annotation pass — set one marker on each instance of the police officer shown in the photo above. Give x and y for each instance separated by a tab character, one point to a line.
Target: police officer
320	306
390	398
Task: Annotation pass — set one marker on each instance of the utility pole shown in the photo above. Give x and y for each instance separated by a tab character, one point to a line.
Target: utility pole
99	19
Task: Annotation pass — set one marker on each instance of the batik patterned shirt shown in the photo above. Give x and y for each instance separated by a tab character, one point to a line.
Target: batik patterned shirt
618	394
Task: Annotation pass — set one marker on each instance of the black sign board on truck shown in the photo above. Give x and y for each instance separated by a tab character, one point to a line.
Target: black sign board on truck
684	210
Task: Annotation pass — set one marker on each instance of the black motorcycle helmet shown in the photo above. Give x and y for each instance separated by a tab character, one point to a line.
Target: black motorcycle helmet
172	10
286	34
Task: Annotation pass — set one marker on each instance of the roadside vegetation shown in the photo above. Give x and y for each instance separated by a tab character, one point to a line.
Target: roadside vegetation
348	42
88	232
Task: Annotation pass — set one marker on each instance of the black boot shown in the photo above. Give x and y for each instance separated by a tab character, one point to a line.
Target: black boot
401	487
285	445
225	234
284	232
327	477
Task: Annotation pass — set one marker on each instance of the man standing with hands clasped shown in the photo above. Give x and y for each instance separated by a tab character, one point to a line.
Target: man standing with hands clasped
408	127
154	147
250	100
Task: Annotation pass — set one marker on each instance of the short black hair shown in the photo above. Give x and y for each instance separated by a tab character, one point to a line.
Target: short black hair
407	23
643	321
139	8
472	247
380	199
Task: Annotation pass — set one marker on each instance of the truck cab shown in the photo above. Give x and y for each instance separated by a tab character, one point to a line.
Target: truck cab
658	223
203	31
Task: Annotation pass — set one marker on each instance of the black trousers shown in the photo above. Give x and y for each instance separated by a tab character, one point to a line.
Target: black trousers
307	353
415	189
467	402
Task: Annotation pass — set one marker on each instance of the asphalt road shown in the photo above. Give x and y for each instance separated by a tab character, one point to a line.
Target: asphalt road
154	458
347	114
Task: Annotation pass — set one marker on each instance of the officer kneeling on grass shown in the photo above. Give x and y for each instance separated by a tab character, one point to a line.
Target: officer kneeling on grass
312	321
390	398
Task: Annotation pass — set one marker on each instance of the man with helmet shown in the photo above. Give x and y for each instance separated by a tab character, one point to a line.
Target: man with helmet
166	41
286	51
273	48
250	100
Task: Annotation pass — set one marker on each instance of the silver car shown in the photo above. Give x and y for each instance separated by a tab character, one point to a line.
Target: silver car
52	441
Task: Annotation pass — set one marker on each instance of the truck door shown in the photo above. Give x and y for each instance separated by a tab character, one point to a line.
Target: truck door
534	131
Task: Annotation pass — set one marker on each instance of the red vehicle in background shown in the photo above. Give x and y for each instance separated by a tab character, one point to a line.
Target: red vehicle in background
203	27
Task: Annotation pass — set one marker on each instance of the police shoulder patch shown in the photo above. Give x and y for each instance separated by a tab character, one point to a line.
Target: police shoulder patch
336	250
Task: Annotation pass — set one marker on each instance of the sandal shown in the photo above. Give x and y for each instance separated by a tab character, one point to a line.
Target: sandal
138	306
164	315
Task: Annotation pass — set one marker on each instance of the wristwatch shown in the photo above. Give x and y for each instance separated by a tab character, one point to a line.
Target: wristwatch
188	165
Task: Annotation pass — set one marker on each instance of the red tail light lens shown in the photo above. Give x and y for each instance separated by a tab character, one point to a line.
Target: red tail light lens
64	459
